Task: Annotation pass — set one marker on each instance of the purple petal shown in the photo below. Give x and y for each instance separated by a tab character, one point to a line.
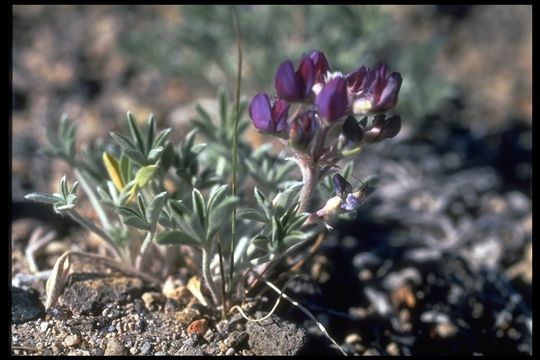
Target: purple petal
341	186
391	127
332	100
357	79
280	112
320	63
305	76
389	95
352	203
260	113
286	83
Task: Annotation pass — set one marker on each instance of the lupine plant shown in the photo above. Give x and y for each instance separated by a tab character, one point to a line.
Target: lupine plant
153	197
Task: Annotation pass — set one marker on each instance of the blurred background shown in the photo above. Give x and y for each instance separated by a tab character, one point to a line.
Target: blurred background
456	182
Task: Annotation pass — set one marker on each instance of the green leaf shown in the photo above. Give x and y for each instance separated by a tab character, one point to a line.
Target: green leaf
152	212
135	133
216	195
131	217
136	157
176	237
144	174
44	198
141	204
199	206
136	222
220	215
263	202
63	187
125	169
153	155
251	214
123	141
161	137
59	208
150	130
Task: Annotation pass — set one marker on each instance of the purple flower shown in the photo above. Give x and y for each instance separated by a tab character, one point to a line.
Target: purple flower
383	128
352	202
302	130
320	64
341	186
374	92
295	85
269	117
332	101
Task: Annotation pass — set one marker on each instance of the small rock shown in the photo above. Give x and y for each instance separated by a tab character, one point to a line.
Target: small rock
25	305
146	348
133	350
72	340
44	326
392	349
198	327
371	352
445	329
115	348
187	316
152	299
222	347
160	353
90	296
236	339
275	336
230	352
189	350
353	338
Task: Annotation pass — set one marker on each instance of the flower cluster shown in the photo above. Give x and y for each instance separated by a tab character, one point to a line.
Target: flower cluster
334	114
325	98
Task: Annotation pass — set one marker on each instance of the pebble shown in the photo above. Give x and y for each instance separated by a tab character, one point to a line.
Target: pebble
160	353
222	347
115	348
133	350
353	338
43	326
230	352
72	340
236	339
445	329
198	327
371	352
187	316
392	349
146	348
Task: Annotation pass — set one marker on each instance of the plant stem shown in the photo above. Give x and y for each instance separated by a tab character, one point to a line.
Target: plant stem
309	180
93	200
234	164
96	230
207	275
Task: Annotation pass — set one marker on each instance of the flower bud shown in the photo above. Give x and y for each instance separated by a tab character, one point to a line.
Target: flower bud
295	85
302	130
332	101
269	117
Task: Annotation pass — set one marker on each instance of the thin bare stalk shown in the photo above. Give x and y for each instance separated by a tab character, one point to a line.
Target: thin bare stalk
222	272
234	164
